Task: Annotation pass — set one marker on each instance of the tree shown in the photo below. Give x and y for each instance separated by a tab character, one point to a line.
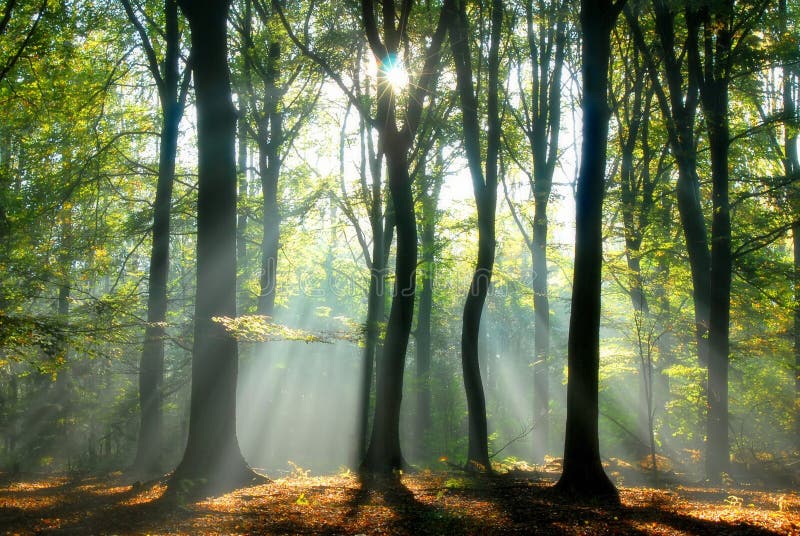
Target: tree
791	167
383	453
172	91
583	473
484	187
632	108
713	70
539	117
212	451
268	73
12	12
678	100
430	182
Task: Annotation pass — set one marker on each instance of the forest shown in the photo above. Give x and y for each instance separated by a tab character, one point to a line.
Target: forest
399	267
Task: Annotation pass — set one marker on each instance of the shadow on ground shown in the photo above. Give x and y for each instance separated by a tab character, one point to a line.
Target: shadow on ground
410	504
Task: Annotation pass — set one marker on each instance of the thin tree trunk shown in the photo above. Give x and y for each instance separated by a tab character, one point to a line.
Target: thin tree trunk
679	107
796	244
423	333
151	369
714	73
485	190
149	448
791	166
270	138
241	220
546	38
718	449
541	333
383	453
371	163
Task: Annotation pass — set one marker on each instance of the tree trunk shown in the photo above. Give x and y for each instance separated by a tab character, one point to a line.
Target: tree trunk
149	447
679	107
383	454
212	453
151	369
270	138
485	191
583	474
541	334
791	167
376	306
714	73
796	273
423	333
546	38
718	450
423	338
241	220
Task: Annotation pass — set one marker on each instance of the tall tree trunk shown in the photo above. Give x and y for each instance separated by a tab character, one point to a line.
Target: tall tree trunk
583	473
713	69
796	274
791	167
485	191
243	153
151	369
270	138
718	450
241	220
212	452
423	337
541	333
372	165
546	39
149	448
383	453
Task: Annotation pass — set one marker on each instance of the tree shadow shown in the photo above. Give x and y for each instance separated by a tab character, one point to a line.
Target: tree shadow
539	508
461	504
82	506
410	516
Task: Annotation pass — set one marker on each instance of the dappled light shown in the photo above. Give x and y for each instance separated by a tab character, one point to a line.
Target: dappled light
423	503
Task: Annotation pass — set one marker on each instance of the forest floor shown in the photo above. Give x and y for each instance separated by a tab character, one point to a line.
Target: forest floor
421	503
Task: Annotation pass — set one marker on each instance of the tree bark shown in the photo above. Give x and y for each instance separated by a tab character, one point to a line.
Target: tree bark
791	167
383	453
718	449
485	191
424	342
270	138
713	71
542	123
372	163
151	370
583	474
212	454
149	447
241	219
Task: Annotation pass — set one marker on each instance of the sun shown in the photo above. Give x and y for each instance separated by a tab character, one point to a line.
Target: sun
395	72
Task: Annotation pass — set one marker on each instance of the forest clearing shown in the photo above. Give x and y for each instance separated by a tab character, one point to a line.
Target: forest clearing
427	502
